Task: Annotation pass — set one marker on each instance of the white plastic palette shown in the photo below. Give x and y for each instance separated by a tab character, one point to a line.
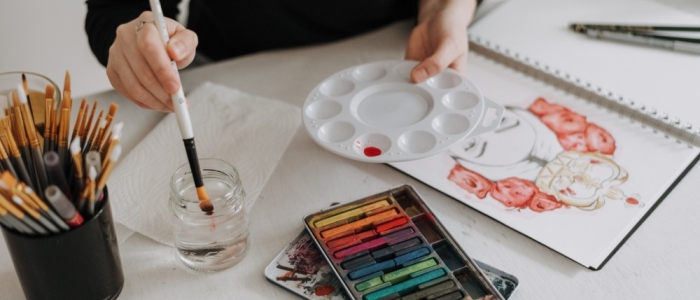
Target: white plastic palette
374	113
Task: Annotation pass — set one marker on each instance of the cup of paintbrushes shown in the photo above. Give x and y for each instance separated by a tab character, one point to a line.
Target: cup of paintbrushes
79	263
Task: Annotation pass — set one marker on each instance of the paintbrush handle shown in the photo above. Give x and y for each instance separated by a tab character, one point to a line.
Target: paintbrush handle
178	99
40	169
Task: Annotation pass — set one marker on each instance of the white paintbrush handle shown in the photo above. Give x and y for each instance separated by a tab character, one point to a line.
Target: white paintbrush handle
178	99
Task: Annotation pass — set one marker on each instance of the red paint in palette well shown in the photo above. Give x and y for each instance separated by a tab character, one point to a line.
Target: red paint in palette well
372	151
632	201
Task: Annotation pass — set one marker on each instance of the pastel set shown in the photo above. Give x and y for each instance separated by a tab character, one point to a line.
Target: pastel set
391	246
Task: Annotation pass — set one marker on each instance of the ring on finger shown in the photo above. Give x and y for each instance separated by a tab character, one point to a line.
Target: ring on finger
142	23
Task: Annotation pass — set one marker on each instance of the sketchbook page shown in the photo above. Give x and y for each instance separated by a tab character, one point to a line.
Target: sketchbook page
561	170
660	78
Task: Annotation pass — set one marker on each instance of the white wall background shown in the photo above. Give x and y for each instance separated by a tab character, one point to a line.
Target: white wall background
47	37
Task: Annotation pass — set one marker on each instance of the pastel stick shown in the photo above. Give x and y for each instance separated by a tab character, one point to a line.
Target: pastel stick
357	262
418	253
406	286
403	274
391	224
351	239
351	213
368	284
362	272
452	294
359	223
373	244
429	290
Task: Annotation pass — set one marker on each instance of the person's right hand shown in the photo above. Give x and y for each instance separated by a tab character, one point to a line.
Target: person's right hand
139	67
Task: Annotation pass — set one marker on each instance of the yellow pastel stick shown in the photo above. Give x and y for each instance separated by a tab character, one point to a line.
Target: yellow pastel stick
350	213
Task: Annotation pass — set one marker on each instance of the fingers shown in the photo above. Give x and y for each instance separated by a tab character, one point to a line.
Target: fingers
132	88
448	53
139	66
150	45
182	46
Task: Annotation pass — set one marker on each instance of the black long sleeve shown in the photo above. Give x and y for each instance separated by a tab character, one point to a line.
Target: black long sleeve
104	16
228	28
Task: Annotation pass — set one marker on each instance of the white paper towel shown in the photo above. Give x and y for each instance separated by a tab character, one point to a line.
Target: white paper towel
248	131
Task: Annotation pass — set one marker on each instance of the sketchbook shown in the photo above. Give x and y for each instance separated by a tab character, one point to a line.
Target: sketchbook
576	164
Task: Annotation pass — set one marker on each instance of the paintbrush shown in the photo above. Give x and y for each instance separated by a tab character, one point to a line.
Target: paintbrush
93	133
53	132
183	117
19	130
106	170
92	174
22	219
16	157
110	116
78	122
63	129
110	143
5	161
27	194
9	220
38	164
86	127
77	180
47	117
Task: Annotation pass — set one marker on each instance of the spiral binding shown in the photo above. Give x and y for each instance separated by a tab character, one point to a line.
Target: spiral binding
660	122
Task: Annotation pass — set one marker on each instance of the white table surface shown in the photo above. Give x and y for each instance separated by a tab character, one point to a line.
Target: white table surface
660	261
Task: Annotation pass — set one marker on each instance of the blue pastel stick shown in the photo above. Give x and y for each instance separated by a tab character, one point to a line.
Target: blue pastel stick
371	269
418	253
407	286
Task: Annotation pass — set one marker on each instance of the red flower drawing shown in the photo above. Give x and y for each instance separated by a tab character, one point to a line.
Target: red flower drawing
565	122
514	192
598	139
470	181
574	142
541	107
544	202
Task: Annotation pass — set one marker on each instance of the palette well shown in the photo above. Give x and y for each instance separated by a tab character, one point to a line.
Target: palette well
374	113
391	246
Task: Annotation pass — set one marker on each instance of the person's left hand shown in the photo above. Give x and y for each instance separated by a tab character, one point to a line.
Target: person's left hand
440	38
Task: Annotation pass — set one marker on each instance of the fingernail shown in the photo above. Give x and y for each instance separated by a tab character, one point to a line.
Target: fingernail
420	75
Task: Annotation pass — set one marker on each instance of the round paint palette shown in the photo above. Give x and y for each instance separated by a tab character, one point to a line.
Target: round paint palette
374	113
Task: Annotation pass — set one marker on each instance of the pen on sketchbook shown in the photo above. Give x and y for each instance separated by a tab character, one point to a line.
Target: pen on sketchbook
671	43
623	27
183	117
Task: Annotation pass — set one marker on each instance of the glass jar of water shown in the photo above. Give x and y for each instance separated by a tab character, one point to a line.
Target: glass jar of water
216	241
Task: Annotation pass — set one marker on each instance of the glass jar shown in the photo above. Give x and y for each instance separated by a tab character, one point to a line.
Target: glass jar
214	242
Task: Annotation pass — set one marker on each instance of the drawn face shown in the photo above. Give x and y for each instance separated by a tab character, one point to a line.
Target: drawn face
512	142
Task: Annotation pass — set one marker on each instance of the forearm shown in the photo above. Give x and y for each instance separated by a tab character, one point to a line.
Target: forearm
104	16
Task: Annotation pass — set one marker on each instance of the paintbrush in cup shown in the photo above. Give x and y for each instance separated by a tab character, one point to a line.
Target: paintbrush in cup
183	117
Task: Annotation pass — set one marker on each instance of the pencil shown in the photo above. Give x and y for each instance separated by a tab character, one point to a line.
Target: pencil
183	117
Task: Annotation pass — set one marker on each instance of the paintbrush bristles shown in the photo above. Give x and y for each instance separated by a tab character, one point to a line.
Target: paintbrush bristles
79	120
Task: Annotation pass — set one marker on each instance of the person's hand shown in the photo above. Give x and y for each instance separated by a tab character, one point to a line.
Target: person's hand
439	40
139	67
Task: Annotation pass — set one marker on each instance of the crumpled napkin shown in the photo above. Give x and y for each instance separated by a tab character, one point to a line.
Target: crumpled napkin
250	132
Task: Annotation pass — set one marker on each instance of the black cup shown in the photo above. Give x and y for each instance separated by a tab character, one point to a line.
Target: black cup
82	263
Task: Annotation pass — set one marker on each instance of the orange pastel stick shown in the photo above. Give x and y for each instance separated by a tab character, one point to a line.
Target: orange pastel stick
358	224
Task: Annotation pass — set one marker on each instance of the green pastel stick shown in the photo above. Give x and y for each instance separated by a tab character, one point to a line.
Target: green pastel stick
406	286
405	273
374	282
